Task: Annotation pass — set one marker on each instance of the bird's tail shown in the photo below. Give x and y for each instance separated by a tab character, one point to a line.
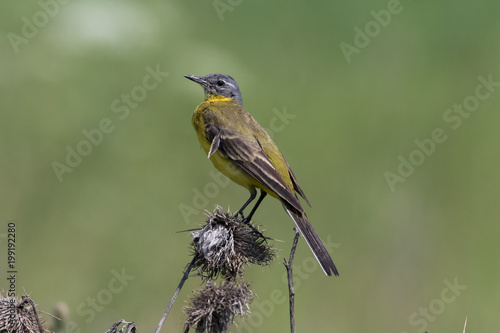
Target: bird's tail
312	239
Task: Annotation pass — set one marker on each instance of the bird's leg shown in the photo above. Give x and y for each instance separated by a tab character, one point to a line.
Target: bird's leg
249	217
253	194
262	196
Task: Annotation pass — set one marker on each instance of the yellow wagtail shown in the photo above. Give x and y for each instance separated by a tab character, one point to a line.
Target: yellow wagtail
243	151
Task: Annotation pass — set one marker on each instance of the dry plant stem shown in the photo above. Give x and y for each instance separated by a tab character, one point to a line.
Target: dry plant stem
179	287
289	273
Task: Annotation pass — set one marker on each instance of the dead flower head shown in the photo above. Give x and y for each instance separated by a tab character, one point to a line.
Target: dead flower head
19	315
212	309
225	244
127	327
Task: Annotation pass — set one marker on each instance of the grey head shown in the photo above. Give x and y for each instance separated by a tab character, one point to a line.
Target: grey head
218	85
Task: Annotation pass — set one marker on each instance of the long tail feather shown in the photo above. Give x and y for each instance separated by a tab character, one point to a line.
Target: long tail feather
314	242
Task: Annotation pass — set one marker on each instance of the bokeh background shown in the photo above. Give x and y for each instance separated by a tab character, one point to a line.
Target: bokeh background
67	68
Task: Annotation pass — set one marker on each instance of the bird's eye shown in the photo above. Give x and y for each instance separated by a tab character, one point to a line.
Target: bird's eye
220	83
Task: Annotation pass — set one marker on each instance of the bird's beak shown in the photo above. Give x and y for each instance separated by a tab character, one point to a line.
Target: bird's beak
197	79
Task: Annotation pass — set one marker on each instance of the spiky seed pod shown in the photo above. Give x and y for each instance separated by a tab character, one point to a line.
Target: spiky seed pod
127	327
18	315
213	309
225	244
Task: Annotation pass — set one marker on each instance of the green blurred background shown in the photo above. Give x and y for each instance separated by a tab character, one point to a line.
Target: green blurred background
349	123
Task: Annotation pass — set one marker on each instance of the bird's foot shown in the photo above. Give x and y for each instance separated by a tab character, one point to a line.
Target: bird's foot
243	219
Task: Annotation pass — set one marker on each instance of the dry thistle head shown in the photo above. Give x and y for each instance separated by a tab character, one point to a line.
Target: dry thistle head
18	315
127	327
212	309
225	244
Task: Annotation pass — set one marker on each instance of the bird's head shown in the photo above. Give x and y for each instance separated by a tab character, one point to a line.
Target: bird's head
218	85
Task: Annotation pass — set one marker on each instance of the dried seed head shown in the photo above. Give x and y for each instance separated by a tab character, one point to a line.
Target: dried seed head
212	309
18	315
225	244
127	327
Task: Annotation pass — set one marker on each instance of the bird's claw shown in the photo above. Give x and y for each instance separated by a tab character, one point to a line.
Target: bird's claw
240	213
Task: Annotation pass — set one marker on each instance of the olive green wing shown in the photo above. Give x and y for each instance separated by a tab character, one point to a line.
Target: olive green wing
247	153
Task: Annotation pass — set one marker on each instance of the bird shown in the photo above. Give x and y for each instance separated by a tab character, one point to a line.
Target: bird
241	149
